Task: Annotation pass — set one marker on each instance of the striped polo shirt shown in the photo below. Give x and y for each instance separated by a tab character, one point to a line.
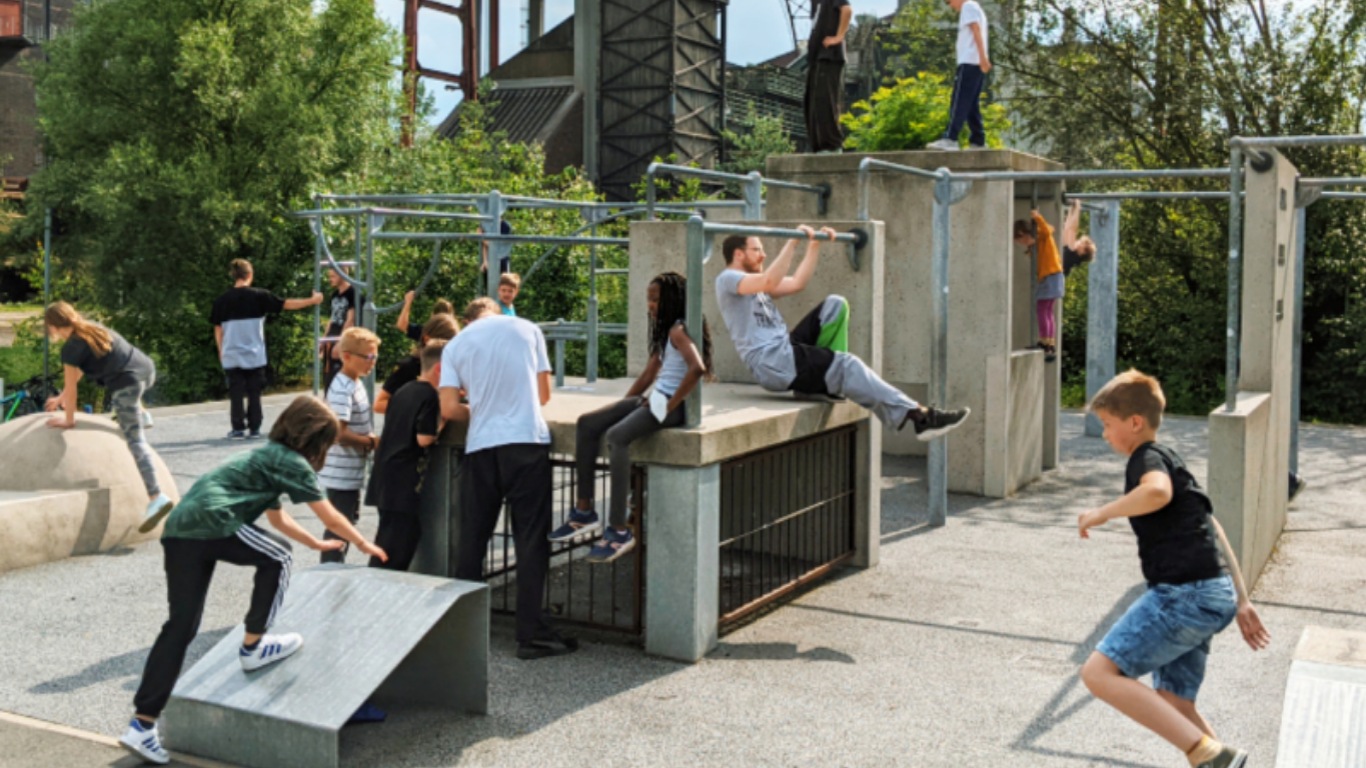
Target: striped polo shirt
345	467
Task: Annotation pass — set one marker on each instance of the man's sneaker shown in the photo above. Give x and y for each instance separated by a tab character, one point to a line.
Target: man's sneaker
937	423
1228	757
255	434
943	145
157	510
147	422
144	741
237	434
612	545
1297	484
550	644
580	524
269	649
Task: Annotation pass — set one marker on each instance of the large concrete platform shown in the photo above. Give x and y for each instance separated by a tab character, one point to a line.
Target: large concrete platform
1324	723
397	638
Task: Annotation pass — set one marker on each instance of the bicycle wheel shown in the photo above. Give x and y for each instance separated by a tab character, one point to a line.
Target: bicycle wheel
26	406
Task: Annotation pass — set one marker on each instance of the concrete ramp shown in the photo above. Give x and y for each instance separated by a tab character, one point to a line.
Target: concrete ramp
1323	724
392	638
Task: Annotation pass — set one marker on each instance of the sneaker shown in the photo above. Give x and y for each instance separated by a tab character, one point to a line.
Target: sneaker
551	644
1050	353
237	434
612	545
147	422
1228	757
580	524
144	742
269	649
255	434
157	510
368	713
1297	484
937	423
943	145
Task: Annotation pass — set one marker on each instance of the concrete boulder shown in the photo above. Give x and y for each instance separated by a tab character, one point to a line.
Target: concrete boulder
69	492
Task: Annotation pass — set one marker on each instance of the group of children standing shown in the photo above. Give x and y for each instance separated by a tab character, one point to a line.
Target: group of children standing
495	375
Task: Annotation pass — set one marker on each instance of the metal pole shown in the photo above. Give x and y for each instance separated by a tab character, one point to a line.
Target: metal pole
939	347
697	253
1102	307
591	364
47	288
1300	236
368	302
753	190
1033	264
497	249
318	235
1235	273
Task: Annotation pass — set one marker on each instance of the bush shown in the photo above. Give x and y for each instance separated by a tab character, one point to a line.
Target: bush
909	114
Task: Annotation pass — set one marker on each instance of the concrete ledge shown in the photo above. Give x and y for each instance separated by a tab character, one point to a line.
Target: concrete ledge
1323	723
736	419
1246	482
42	526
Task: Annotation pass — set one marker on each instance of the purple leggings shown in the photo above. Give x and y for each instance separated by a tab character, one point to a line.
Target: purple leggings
1048	329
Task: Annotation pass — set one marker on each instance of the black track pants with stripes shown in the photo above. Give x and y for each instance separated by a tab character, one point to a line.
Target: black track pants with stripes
189	570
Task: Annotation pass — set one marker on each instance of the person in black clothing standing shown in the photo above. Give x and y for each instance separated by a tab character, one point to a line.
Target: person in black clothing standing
343	317
825	57
239	318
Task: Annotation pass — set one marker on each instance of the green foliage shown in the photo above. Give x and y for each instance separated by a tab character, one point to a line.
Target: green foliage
909	114
920	40
749	150
1163	85
179	135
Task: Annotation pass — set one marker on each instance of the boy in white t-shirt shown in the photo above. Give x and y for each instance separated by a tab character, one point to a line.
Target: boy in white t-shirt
500	364
973	65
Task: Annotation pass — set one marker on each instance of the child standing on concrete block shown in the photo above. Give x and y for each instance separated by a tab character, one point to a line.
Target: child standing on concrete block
1191	594
412	426
674	369
965	107
214	523
813	359
1052	283
344	473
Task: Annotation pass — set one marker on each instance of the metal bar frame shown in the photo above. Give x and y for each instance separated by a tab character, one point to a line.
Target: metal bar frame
752	186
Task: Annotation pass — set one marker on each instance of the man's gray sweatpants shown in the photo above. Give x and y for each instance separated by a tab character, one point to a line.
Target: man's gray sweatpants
849	377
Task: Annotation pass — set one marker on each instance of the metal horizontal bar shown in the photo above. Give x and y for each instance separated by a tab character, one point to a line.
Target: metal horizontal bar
792	234
870	162
1343	196
703	173
1157	173
392	212
327	263
1345	181
614	272
1298	141
1145	196
501	238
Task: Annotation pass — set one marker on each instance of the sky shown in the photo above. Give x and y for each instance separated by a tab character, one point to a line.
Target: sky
764	23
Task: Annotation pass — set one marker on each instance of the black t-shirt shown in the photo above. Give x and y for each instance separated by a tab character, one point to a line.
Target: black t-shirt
407	370
1176	544
414	331
342	302
245	303
1070	260
241	313
123	366
827	24
400	463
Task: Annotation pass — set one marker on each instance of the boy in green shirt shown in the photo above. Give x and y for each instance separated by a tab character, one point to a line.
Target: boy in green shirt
215	522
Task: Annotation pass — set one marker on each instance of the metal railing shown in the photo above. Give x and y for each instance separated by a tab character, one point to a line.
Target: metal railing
563	331
751	187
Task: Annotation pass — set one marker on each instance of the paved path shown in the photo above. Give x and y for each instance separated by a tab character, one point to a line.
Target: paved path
960	649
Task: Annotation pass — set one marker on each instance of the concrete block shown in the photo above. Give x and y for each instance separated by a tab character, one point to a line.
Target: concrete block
1245	479
398	638
683	569
868	498
1025	422
1325	702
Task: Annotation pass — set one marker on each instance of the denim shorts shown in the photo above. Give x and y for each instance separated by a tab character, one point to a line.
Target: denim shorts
1167	632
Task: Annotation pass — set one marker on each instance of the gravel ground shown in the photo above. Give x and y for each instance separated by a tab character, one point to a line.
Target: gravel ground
961	648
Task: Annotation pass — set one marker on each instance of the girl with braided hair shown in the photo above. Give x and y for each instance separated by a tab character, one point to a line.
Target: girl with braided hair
674	369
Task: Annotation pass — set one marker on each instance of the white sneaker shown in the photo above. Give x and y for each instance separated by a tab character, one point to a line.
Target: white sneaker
145	743
157	510
270	649
943	145
147	422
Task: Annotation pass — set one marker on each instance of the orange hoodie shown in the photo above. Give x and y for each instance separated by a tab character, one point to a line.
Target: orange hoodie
1049	261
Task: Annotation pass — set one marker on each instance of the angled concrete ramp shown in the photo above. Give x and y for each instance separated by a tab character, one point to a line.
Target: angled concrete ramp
1323	724
368	635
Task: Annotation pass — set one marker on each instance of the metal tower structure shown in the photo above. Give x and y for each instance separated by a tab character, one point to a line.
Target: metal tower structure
799	19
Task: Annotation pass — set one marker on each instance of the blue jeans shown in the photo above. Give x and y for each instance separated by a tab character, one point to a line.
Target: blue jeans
1167	632
966	106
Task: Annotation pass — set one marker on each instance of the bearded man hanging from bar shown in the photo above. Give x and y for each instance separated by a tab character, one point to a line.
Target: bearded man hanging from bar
825	57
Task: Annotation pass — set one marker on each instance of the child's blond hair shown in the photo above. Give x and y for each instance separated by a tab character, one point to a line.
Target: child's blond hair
355	340
1086	248
1132	393
512	279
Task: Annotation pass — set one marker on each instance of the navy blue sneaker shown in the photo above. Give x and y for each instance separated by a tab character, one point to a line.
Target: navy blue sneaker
368	713
612	545
580	524
255	434
237	434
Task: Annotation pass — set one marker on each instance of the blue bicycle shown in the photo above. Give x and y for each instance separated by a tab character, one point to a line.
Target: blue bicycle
28	398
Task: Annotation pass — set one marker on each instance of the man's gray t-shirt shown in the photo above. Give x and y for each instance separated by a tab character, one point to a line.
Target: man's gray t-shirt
758	330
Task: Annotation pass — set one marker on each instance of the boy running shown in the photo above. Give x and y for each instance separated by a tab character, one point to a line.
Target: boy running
1191	595
814	358
344	473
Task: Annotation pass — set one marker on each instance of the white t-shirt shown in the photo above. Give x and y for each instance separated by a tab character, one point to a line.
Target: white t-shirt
967	47
496	360
758	330
345	466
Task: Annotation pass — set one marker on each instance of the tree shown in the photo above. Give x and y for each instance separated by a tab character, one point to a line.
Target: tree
909	114
749	150
180	134
1138	84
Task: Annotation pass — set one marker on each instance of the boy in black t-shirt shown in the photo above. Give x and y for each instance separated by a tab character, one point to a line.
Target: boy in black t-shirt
411	425
1191	595
343	317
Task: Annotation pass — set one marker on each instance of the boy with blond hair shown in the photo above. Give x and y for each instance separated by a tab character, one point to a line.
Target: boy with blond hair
343	475
509	285
1191	595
